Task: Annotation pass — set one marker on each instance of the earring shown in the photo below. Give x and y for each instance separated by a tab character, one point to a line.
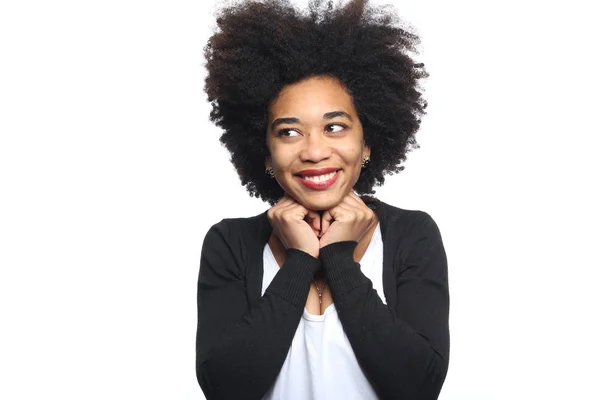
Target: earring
269	171
365	161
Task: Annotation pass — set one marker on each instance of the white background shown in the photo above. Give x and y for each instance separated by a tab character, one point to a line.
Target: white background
111	174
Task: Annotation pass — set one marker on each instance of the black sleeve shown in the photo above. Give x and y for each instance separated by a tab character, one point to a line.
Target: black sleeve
240	350
403	348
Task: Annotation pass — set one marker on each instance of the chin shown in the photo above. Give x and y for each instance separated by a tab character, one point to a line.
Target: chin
320	202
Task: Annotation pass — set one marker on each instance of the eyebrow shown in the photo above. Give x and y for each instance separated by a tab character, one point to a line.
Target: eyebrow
326	116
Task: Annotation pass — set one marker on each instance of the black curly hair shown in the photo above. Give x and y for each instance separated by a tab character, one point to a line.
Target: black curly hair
259	47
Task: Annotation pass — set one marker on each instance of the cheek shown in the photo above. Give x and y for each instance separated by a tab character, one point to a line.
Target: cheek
353	156
282	158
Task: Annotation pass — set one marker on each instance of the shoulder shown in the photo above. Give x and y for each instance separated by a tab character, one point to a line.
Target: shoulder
404	225
231	242
240	230
239	225
396	215
415	239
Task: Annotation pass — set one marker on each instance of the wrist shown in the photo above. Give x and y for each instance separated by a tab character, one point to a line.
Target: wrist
300	253
342	272
338	251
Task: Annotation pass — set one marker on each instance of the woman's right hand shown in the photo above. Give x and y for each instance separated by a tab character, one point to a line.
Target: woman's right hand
289	221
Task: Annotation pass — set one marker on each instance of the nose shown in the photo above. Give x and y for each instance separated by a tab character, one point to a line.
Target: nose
316	147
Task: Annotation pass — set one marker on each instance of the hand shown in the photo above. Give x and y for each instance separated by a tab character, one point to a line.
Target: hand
295	225
349	220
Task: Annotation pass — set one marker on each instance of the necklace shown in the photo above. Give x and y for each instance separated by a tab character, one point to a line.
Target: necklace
320	290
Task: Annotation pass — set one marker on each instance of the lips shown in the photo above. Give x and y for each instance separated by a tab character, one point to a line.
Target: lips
318	179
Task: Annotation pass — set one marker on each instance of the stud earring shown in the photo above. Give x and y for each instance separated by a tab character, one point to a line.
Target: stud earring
269	171
365	161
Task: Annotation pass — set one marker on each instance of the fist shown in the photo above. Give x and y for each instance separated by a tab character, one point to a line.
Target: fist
296	226
348	221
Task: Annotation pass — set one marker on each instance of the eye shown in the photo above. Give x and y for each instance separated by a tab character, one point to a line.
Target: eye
288	133
341	127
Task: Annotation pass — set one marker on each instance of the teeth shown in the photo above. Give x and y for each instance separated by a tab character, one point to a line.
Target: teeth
320	178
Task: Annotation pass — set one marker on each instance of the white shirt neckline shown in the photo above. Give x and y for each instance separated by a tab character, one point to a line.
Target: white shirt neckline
330	308
320	364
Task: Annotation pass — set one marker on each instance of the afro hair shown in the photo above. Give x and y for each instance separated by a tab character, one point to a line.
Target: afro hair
259	47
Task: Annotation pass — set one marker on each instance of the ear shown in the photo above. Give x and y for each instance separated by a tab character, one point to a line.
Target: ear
268	162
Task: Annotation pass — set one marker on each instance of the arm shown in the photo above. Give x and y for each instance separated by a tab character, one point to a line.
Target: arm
402	348
240	350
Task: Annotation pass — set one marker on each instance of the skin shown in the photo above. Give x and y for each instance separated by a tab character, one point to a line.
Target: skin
315	141
308	219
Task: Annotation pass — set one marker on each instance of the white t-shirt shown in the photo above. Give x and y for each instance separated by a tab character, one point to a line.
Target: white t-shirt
320	364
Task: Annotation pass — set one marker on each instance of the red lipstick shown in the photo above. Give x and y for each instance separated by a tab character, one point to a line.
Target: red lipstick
318	184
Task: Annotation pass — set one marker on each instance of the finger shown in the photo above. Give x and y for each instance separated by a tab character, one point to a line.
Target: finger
314	220
285	200
354	215
290	201
280	207
326	221
296	210
353	199
288	211
311	217
315	230
358	212
342	212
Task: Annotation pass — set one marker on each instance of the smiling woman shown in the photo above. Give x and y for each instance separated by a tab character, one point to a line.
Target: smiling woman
330	293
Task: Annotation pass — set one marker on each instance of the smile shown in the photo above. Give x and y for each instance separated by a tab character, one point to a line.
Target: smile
319	182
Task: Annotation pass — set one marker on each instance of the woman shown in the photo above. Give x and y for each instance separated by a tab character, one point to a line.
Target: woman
326	295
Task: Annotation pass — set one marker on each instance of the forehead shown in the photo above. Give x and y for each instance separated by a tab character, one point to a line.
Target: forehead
315	95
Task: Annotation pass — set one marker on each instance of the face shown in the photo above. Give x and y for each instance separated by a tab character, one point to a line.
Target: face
315	142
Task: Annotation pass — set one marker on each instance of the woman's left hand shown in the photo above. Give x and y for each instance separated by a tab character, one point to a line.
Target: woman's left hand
349	220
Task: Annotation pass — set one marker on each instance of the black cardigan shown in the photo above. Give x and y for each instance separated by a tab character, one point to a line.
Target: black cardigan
243	338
